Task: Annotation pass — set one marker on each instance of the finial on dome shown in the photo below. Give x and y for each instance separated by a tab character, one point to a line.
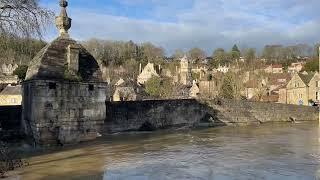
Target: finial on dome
63	22
63	3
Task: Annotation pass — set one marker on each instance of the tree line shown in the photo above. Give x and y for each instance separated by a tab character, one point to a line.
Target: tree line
18	50
116	53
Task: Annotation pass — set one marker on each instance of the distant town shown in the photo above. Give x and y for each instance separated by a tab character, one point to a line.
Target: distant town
74	109
280	74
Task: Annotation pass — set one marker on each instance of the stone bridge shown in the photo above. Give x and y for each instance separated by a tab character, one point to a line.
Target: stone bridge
163	114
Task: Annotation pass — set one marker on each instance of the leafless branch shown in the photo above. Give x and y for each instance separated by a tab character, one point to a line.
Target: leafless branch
23	18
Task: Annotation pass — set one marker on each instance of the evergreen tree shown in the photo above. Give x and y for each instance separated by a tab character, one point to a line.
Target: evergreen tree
21	72
218	57
159	88
235	53
235	48
227	90
312	66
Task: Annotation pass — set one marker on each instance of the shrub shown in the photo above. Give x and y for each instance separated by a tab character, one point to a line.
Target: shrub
21	72
159	88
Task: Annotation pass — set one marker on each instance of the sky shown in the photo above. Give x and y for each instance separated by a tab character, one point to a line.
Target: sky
184	24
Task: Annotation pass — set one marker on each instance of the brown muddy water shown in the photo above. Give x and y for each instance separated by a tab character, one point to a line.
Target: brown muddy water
273	151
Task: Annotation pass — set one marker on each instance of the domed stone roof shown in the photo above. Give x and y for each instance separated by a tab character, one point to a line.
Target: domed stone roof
51	63
64	58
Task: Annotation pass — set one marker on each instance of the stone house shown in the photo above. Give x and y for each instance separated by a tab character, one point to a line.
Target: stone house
124	91
255	88
274	68
194	90
250	88
63	94
11	96
167	73
302	89
274	98
202	71
124	94
4	79
147	73
314	88
185	75
8	69
209	88
223	69
277	80
282	95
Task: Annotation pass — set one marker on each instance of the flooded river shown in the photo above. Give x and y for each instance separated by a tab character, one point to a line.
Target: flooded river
274	151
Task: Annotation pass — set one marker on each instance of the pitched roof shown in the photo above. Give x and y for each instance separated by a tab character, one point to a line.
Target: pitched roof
306	77
11	90
194	87
276	65
274	78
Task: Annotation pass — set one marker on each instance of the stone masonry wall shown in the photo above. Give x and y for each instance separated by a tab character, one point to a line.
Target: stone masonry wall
63	112
156	114
246	112
150	115
161	114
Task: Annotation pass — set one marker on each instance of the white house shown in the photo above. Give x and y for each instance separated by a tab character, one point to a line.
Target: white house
223	69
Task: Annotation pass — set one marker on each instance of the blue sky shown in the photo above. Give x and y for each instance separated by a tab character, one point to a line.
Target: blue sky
183	24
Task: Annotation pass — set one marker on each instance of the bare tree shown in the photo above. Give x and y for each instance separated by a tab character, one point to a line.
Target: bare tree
23	17
197	54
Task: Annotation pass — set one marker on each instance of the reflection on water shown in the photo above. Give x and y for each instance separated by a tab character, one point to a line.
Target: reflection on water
285	151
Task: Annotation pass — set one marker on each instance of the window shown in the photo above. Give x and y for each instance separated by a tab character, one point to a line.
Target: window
317	96
317	84
52	85
91	87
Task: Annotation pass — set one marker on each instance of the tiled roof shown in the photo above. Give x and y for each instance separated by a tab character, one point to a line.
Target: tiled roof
306	78
274	78
277	66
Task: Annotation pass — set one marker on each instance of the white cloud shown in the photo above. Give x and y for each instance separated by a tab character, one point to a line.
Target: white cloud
207	24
